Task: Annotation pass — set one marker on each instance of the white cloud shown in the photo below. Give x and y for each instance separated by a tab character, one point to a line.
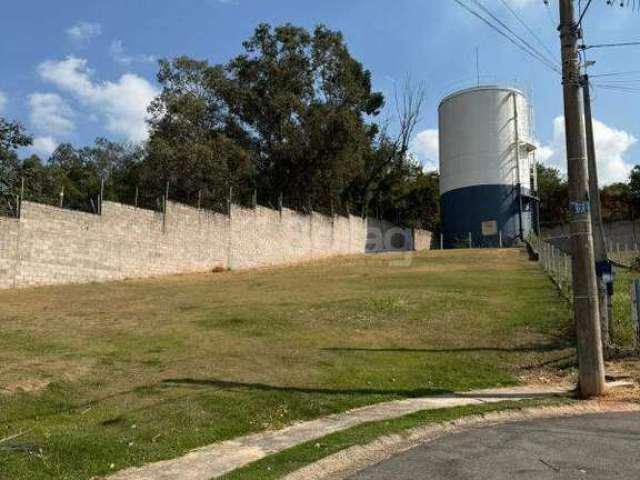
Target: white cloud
50	114
3	101
83	32
118	53
611	146
544	153
44	146
121	104
426	147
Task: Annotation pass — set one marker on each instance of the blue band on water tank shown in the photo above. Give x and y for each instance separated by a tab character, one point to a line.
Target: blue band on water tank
464	210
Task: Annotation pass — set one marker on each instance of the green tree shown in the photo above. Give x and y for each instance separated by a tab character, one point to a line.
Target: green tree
634	180
554	197
12	137
305	100
409	196
195	144
288	116
617	202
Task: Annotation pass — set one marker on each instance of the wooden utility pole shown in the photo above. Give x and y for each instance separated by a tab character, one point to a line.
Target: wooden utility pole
585	294
599	240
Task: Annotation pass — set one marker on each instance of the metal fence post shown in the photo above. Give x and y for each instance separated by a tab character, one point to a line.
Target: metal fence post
21	197
62	196
164	208
101	196
470	240
635	311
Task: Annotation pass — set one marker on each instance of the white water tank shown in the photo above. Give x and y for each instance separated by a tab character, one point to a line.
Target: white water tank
486	182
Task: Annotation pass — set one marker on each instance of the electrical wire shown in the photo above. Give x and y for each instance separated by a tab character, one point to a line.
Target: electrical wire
584	12
629	81
529	29
617	89
485	9
541	59
551	15
609	45
616	74
634	6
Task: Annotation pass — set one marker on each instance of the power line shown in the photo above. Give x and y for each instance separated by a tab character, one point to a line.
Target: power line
616	74
551	15
485	9
584	12
628	81
542	59
529	29
634	6
617	89
608	45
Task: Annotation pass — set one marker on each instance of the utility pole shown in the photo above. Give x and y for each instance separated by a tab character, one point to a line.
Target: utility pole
603	266
585	294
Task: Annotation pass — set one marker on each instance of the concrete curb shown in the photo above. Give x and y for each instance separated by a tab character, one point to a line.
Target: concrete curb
350	461
220	458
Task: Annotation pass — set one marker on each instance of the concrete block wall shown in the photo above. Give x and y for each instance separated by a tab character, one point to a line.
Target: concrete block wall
49	245
384	236
9	239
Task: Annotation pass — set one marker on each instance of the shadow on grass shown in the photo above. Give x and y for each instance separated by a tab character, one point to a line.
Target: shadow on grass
416	393
227	385
543	348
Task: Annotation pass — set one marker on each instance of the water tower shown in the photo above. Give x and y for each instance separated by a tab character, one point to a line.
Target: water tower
487	168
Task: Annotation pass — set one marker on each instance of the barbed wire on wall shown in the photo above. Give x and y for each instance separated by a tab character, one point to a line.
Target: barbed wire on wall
91	200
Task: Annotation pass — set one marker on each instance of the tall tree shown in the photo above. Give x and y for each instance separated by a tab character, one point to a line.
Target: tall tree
288	116
305	100
194	143
12	137
389	159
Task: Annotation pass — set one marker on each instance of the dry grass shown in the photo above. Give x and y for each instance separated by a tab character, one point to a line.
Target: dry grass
128	372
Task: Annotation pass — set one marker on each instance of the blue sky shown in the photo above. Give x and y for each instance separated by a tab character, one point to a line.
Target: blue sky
73	70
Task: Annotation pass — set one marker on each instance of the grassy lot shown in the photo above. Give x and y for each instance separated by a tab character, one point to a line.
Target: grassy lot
101	377
623	325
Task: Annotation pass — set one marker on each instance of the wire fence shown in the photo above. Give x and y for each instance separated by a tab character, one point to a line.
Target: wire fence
624	253
9	205
89	196
556	263
623	330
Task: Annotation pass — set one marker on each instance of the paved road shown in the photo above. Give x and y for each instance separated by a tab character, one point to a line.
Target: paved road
605	446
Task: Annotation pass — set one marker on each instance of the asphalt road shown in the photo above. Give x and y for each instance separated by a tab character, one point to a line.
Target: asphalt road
591	447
